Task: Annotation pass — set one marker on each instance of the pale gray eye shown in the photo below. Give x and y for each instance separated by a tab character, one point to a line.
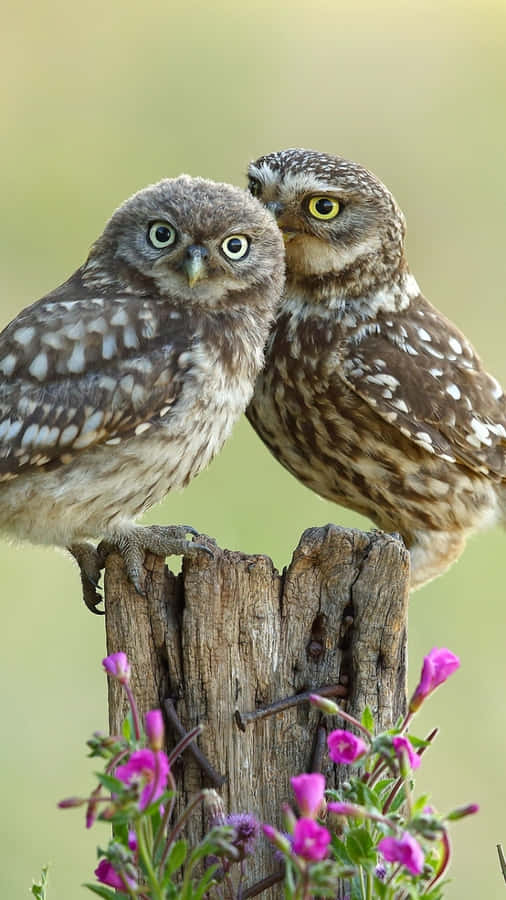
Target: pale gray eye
161	234
236	246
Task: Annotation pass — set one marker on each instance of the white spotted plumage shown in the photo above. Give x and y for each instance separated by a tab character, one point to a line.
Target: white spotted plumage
369	395
125	381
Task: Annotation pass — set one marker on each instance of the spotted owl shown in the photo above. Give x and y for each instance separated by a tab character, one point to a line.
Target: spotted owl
370	396
124	382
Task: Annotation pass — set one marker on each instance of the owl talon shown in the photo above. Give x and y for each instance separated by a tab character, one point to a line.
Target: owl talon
90	562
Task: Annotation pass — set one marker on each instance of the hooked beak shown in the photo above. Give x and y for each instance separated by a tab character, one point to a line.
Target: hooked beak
277	209
195	263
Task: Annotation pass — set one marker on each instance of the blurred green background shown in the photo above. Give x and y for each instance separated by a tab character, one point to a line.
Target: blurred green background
99	99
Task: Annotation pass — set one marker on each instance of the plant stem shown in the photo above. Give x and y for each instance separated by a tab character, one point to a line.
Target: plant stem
178	826
135	713
156	892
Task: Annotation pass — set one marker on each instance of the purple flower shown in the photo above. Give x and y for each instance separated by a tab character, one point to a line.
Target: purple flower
246	832
403	748
438	665
309	790
149	771
404	850
345	747
117	666
107	874
380	872
132	840
310	840
154	728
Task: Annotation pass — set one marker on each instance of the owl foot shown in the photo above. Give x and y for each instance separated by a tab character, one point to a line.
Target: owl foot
162	540
90	561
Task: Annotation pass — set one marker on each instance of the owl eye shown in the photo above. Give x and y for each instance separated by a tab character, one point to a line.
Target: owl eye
236	246
161	234
323	207
254	187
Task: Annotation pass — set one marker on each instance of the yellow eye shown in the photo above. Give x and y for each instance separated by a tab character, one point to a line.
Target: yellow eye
323	207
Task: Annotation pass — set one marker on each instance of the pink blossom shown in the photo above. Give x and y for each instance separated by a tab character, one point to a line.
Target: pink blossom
438	665
310	840
117	665
403	748
309	790
107	874
149	771
345	747
404	850
154	728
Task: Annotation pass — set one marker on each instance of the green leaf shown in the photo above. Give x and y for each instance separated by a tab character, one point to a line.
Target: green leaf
175	859
110	782
359	846
205	883
39	890
127	727
340	851
368	720
104	892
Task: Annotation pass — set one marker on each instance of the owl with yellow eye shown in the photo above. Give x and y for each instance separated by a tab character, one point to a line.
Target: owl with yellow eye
370	396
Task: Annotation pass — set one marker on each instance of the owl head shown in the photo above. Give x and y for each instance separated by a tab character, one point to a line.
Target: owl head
191	239
331	211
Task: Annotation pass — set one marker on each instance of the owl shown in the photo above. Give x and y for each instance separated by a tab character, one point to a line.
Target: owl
124	382
369	395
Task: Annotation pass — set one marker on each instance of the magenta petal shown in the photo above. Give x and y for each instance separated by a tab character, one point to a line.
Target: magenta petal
405	850
309	790
345	747
403	745
310	840
117	665
106	874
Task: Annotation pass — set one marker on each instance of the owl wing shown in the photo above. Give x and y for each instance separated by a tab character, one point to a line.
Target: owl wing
85	371
418	372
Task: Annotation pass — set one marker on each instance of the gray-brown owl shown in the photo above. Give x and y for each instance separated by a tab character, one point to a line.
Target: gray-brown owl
125	381
369	395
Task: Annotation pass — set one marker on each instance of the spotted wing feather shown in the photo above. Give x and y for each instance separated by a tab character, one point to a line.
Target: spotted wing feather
81	372
420	373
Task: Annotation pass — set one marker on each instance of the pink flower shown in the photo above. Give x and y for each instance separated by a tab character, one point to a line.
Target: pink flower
154	728
107	874
404	850
345	747
310	840
403	748
309	790
117	665
438	665
149	771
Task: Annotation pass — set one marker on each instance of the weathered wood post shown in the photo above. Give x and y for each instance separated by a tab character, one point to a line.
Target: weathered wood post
229	636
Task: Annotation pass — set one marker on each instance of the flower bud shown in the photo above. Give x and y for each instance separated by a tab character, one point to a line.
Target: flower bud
275	837
117	666
327	706
154	729
463	811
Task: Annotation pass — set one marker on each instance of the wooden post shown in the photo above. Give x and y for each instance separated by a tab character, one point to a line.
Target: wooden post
230	635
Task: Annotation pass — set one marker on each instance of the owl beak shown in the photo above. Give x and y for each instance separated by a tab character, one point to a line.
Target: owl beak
195	263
